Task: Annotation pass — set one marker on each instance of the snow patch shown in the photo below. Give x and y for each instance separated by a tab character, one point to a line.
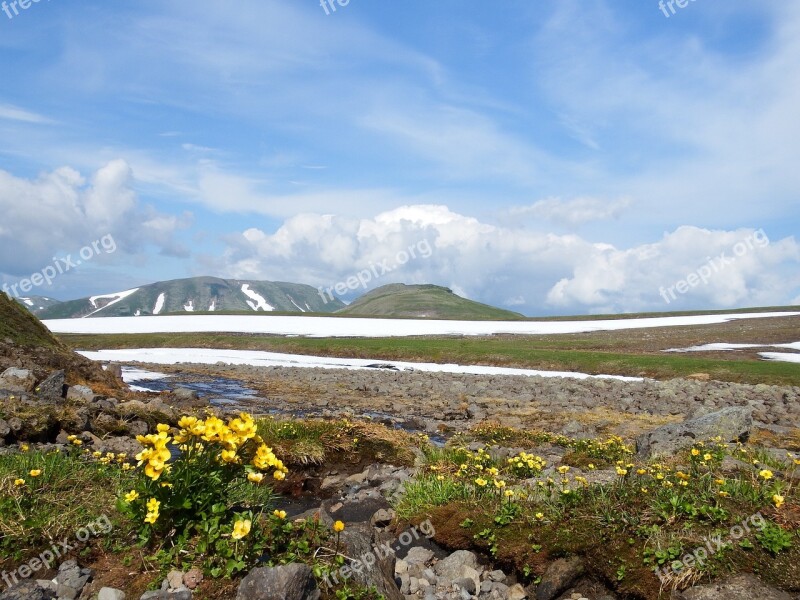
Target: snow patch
258	300
27	301
208	356
295	303
189	307
115	298
781	356
162	297
213	306
352	327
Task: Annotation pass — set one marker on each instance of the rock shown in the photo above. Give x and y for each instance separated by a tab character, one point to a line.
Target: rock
175	579
287	582
183	395
115	369
193	578
559	575
418	555
71	579
451	567
27	590
732	424
517	592
52	388
496	576
699	377
383	518
183	594
17	380
80	393
108	593
739	587
5	430
466	584
370	568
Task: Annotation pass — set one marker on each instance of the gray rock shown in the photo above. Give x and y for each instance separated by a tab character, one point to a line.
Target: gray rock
732	424
182	394
739	587
5	429
80	393
108	593
115	369
559	575
17	380
167	595
71	580
517	592
383	518
27	590
418	555
451	567
465	583
370	568
287	582
52	388
175	579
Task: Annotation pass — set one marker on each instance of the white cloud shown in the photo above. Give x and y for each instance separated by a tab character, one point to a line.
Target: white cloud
535	272
14	113
60	212
573	212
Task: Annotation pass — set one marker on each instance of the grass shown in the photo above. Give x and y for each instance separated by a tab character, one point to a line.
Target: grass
21	327
69	493
649	516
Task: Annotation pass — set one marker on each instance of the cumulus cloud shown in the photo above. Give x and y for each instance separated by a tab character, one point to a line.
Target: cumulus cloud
537	273
62	211
573	212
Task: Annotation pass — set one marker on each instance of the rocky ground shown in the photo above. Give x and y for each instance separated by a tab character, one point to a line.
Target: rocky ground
442	402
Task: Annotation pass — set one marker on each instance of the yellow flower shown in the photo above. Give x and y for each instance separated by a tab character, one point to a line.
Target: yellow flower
162	428
281	514
641	472
766	474
440	478
72	438
338	526
24	447
481	482
279	475
241	529
778	500
539	516
499	484
563	470
77	442
695	452
229	456
719	481
19	482
131	496
644	490
707	456
153	504
622	472
35	472
152	511
255	477
591	467
97	454
509	493
722	494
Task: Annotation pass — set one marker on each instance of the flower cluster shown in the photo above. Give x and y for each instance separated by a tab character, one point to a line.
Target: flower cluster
526	465
155	454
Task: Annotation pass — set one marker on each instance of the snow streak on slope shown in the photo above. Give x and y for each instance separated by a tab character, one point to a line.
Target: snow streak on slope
351	327
162	297
206	356
258	300
116	298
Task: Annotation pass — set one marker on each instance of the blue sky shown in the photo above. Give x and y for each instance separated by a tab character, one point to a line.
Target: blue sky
560	157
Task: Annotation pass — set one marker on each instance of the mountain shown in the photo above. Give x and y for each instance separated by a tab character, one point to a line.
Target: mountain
37	304
197	294
423	301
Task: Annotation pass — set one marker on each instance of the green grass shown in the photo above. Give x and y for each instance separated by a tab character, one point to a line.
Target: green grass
17	324
71	492
574	353
624	529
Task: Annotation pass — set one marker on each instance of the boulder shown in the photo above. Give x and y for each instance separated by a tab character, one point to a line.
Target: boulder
108	593
80	393
559	575
17	380
287	582
29	589
71	579
732	424
371	567
738	587
52	388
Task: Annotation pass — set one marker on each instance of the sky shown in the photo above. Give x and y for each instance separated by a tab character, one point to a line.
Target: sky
555	157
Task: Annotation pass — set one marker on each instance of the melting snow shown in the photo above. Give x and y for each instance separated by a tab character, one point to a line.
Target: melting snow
258	300
206	356
162	297
189	307
366	327
116	298
295	303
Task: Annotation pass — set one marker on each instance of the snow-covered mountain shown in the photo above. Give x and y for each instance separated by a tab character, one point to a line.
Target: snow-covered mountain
197	294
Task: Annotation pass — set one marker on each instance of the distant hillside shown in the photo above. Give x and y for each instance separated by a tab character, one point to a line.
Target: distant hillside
425	302
196	294
37	304
26	343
